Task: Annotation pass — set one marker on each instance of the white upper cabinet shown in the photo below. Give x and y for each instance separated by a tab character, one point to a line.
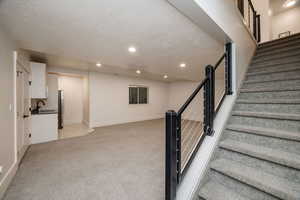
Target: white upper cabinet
38	81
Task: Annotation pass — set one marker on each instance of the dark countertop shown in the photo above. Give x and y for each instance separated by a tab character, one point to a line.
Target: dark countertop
45	112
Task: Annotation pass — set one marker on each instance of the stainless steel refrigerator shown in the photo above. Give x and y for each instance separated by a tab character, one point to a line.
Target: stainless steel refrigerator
60	109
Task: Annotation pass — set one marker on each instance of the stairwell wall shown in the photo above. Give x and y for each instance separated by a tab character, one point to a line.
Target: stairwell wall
225	15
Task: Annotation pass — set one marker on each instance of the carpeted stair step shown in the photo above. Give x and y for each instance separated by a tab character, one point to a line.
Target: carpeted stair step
215	191
261	152
278	85
284	76
261	90
269	101
262	95
279	43
293	60
274	52
271	70
282	56
238	187
288	173
266	182
275	107
265	141
266	132
269	123
270	115
287	85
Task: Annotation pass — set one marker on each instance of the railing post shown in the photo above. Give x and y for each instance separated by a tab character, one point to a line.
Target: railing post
258	29
209	100
228	69
255	24
171	160
178	145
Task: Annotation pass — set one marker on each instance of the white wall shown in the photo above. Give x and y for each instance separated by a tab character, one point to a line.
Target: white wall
286	21
52	83
109	100
180	91
226	15
73	98
86	101
262	7
7	137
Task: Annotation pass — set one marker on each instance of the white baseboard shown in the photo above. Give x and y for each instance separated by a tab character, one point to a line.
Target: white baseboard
101	124
7	179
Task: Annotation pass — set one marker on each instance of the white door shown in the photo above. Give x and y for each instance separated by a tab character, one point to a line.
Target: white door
23	111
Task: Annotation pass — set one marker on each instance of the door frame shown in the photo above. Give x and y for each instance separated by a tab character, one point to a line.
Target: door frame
19	62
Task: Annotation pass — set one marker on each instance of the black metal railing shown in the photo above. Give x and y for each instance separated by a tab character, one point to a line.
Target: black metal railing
251	17
185	130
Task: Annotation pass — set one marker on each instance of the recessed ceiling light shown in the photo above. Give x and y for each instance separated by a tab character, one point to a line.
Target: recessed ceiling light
270	12
165	76
182	65
289	3
132	49
98	64
138	71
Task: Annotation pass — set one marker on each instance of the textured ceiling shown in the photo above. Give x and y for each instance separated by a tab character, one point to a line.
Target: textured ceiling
77	34
277	6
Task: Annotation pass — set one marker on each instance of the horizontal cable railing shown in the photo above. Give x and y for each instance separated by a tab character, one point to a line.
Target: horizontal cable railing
187	128
251	17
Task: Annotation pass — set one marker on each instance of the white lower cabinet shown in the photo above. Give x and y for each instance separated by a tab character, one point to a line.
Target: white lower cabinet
44	128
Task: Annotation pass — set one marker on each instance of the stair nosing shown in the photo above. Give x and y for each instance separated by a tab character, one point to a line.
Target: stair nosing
269	154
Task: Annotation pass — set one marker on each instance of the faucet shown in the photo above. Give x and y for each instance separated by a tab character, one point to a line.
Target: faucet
38	105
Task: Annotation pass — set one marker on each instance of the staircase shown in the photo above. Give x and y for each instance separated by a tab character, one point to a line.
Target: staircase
258	156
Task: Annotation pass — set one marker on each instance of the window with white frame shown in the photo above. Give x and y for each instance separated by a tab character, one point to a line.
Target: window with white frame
138	95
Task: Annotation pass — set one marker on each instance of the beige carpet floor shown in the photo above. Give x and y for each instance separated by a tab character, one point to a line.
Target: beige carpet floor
122	162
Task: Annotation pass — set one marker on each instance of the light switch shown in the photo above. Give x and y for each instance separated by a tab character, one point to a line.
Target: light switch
1	169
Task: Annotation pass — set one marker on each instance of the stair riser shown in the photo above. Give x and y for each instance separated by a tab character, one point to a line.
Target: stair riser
274	68
294	84
274	77
277	52
274	143
241	189
266	166
272	108
270	95
285	125
276	57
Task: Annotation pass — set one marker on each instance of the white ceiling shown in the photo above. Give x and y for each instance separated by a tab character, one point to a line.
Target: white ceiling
277	6
77	34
